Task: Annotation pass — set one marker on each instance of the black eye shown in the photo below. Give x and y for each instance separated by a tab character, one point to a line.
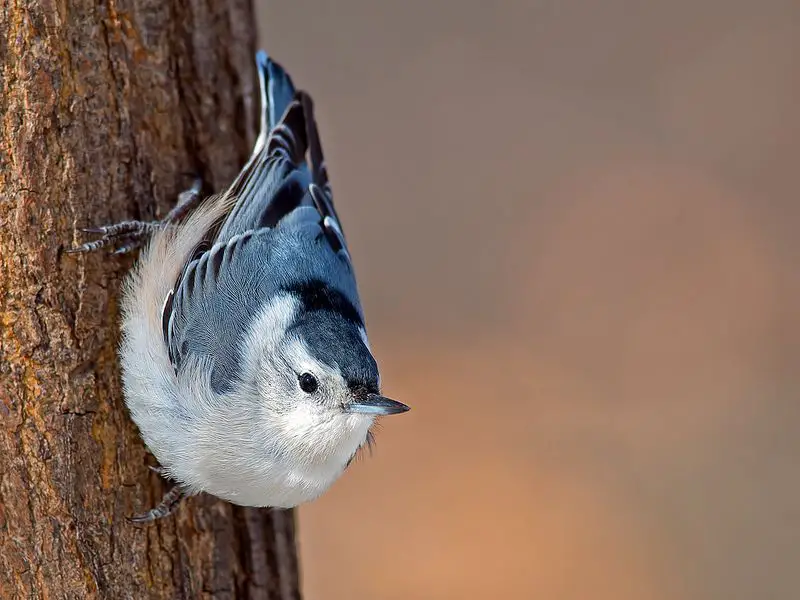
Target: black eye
308	383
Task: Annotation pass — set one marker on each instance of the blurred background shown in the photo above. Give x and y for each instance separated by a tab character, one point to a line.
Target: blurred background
575	226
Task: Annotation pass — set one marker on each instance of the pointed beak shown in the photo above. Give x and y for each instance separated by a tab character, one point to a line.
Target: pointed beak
374	404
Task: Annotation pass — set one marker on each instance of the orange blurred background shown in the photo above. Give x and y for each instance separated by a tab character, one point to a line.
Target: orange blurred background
575	230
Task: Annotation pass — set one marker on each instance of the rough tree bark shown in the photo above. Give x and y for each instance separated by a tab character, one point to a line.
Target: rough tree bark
102	106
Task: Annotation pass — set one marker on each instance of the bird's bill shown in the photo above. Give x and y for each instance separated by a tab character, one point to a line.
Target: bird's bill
375	404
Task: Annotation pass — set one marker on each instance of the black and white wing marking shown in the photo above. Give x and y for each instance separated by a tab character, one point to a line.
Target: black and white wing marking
283	207
288	174
273	182
320	188
286	170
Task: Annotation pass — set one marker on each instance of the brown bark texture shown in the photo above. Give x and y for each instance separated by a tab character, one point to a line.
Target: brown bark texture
103	106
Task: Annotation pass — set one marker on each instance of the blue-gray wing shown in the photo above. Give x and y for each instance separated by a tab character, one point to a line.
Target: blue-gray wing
282	235
287	168
223	290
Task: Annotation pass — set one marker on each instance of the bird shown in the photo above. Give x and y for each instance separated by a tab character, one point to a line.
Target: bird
245	359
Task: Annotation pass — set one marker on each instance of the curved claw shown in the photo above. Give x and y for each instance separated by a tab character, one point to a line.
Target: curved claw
168	503
129	233
90	246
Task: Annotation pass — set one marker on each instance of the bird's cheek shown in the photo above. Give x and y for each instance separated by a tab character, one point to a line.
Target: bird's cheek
357	423
300	420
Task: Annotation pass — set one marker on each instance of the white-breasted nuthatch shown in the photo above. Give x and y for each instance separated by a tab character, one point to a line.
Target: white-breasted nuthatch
244	357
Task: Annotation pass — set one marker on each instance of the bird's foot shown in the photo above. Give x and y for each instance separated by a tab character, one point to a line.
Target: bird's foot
168	504
130	235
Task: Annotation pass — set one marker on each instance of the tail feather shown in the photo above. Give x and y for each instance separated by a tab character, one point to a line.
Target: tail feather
277	92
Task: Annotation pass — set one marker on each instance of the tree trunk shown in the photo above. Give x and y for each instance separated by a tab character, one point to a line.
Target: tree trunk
103	106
